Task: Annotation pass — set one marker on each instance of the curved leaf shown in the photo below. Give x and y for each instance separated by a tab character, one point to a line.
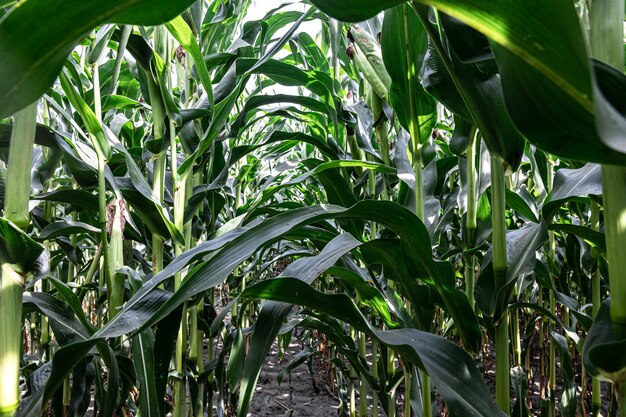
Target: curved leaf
569	183
451	368
33	46
354	10
65	228
219	267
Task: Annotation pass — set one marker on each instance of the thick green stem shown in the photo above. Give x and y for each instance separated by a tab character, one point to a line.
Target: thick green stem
11	281
10	339
607	33
158	188
472	201
18	171
502	364
470	218
182	184
500	266
607	45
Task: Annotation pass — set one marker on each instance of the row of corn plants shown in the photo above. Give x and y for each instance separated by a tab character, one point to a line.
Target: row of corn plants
437	184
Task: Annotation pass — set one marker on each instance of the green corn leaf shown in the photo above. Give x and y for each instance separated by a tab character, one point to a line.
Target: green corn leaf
355	10
464	391
99	138
17	248
33	46
404	45
557	97
215	271
65	228
183	34
569	184
272	314
604	355
522	245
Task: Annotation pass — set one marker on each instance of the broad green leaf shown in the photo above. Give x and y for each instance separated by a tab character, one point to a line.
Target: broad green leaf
53	376
33	46
480	91
277	46
594	237
604	355
571	183
235	366
317	82
314	55
557	97
65	228
141	185
271	317
76	198
519	381
217	269
404	43
568	404
521	245
120	103
451	368
517	203
19	249
94	126
254	103
62	320
354	10
183	34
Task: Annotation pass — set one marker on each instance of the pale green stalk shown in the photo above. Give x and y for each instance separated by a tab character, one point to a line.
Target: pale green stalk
10	339
119	59
500	266
363	384
552	308
17	195
607	44
469	266
374	376
352	408
416	144
391	371
107	273
596	293
97	100
115	282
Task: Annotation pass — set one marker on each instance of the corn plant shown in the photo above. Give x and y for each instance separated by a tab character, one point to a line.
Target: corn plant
436	183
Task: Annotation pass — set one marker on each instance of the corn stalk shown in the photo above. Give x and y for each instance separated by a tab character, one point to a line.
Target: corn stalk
11	280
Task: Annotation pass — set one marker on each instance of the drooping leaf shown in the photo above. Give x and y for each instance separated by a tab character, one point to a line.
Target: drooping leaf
272	314
568	404
433	353
604	355
569	183
522	245
354	10
19	249
33	47
65	228
215	271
